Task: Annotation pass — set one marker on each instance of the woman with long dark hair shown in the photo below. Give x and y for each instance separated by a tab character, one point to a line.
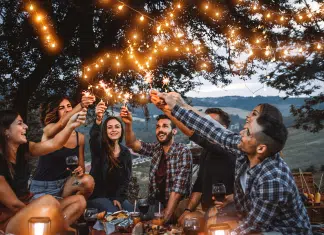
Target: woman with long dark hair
16	206
56	181
111	165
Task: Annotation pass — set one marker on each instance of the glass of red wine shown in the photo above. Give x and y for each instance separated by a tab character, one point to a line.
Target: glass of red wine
219	193
191	226
72	163
143	206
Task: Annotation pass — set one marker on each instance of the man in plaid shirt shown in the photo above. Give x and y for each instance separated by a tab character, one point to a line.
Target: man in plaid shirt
171	166
266	195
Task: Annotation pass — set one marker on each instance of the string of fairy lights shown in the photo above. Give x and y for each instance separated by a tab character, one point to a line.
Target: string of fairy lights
171	40
43	26
299	16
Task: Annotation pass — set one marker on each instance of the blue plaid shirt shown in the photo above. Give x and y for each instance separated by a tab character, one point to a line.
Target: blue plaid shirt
271	201
179	168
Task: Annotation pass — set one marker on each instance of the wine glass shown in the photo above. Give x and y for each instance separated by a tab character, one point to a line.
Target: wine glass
90	215
191	226
143	206
73	162
218	193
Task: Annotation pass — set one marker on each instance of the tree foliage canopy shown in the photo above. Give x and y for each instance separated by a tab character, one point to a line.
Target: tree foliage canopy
87	29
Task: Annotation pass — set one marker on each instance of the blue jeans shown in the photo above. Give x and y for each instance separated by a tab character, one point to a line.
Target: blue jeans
105	204
41	188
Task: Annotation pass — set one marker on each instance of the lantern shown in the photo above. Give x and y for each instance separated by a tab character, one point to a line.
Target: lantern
219	229
39	226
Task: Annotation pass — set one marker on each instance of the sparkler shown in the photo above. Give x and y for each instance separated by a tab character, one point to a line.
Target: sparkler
127	96
148	78
165	82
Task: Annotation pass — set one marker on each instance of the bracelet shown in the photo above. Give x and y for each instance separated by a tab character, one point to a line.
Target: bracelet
187	209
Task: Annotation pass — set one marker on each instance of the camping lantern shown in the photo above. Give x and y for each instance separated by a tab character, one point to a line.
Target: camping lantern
219	229
39	226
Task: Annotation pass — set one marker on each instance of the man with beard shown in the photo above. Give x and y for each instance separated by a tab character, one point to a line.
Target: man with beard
171	166
265	194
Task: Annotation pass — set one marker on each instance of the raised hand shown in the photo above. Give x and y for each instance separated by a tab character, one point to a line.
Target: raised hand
100	110
78	119
172	99
87	100
157	101
125	115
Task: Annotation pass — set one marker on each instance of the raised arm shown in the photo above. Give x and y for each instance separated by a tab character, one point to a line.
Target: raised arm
156	100
51	145
130	138
203	126
52	129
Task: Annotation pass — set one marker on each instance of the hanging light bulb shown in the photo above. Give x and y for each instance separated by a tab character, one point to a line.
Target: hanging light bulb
39	18
31	7
142	18
120	7
319	46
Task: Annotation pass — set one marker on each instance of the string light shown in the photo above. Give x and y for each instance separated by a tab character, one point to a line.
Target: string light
43	27
120	7
160	29
256	9
31	7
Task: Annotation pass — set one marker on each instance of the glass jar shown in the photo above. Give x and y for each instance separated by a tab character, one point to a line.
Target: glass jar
158	219
136	218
